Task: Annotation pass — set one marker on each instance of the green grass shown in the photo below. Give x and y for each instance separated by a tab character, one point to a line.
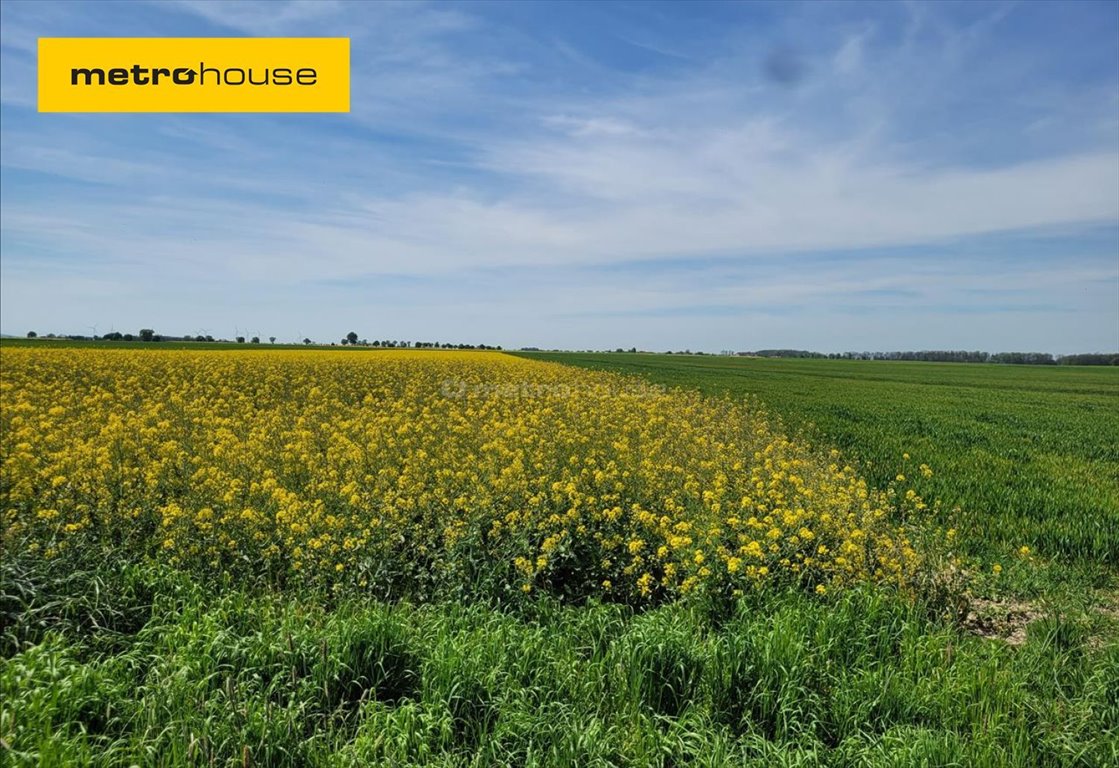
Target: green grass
229	678
1029	454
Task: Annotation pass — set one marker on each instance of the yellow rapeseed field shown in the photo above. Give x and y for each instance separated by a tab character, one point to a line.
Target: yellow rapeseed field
377	469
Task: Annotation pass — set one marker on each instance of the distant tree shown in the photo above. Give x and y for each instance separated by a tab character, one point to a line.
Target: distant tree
345	340
147	334
351	337
32	335
1023	358
129	337
306	341
240	339
272	339
788	353
1090	359
254	340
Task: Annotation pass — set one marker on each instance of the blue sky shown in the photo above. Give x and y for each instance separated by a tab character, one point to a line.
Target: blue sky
713	176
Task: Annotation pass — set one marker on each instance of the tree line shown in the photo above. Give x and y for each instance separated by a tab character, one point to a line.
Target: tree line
953	356
350	339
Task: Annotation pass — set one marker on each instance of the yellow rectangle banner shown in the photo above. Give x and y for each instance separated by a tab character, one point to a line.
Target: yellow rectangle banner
194	74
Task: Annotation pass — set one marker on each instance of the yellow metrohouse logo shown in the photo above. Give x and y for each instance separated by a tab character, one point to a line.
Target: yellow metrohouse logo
194	74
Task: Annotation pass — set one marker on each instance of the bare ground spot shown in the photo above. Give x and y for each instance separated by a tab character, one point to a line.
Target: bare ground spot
1005	620
1108	608
1009	620
1108	604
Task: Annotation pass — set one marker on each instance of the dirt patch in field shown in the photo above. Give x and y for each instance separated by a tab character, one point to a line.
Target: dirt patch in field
1108	608
1009	620
1005	620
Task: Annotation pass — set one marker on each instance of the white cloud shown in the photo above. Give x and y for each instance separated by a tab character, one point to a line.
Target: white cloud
261	17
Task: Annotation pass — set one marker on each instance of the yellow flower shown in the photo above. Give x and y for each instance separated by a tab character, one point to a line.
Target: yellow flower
327	463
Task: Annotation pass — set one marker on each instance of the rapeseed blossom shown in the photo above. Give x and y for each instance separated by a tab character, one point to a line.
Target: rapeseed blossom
380	468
